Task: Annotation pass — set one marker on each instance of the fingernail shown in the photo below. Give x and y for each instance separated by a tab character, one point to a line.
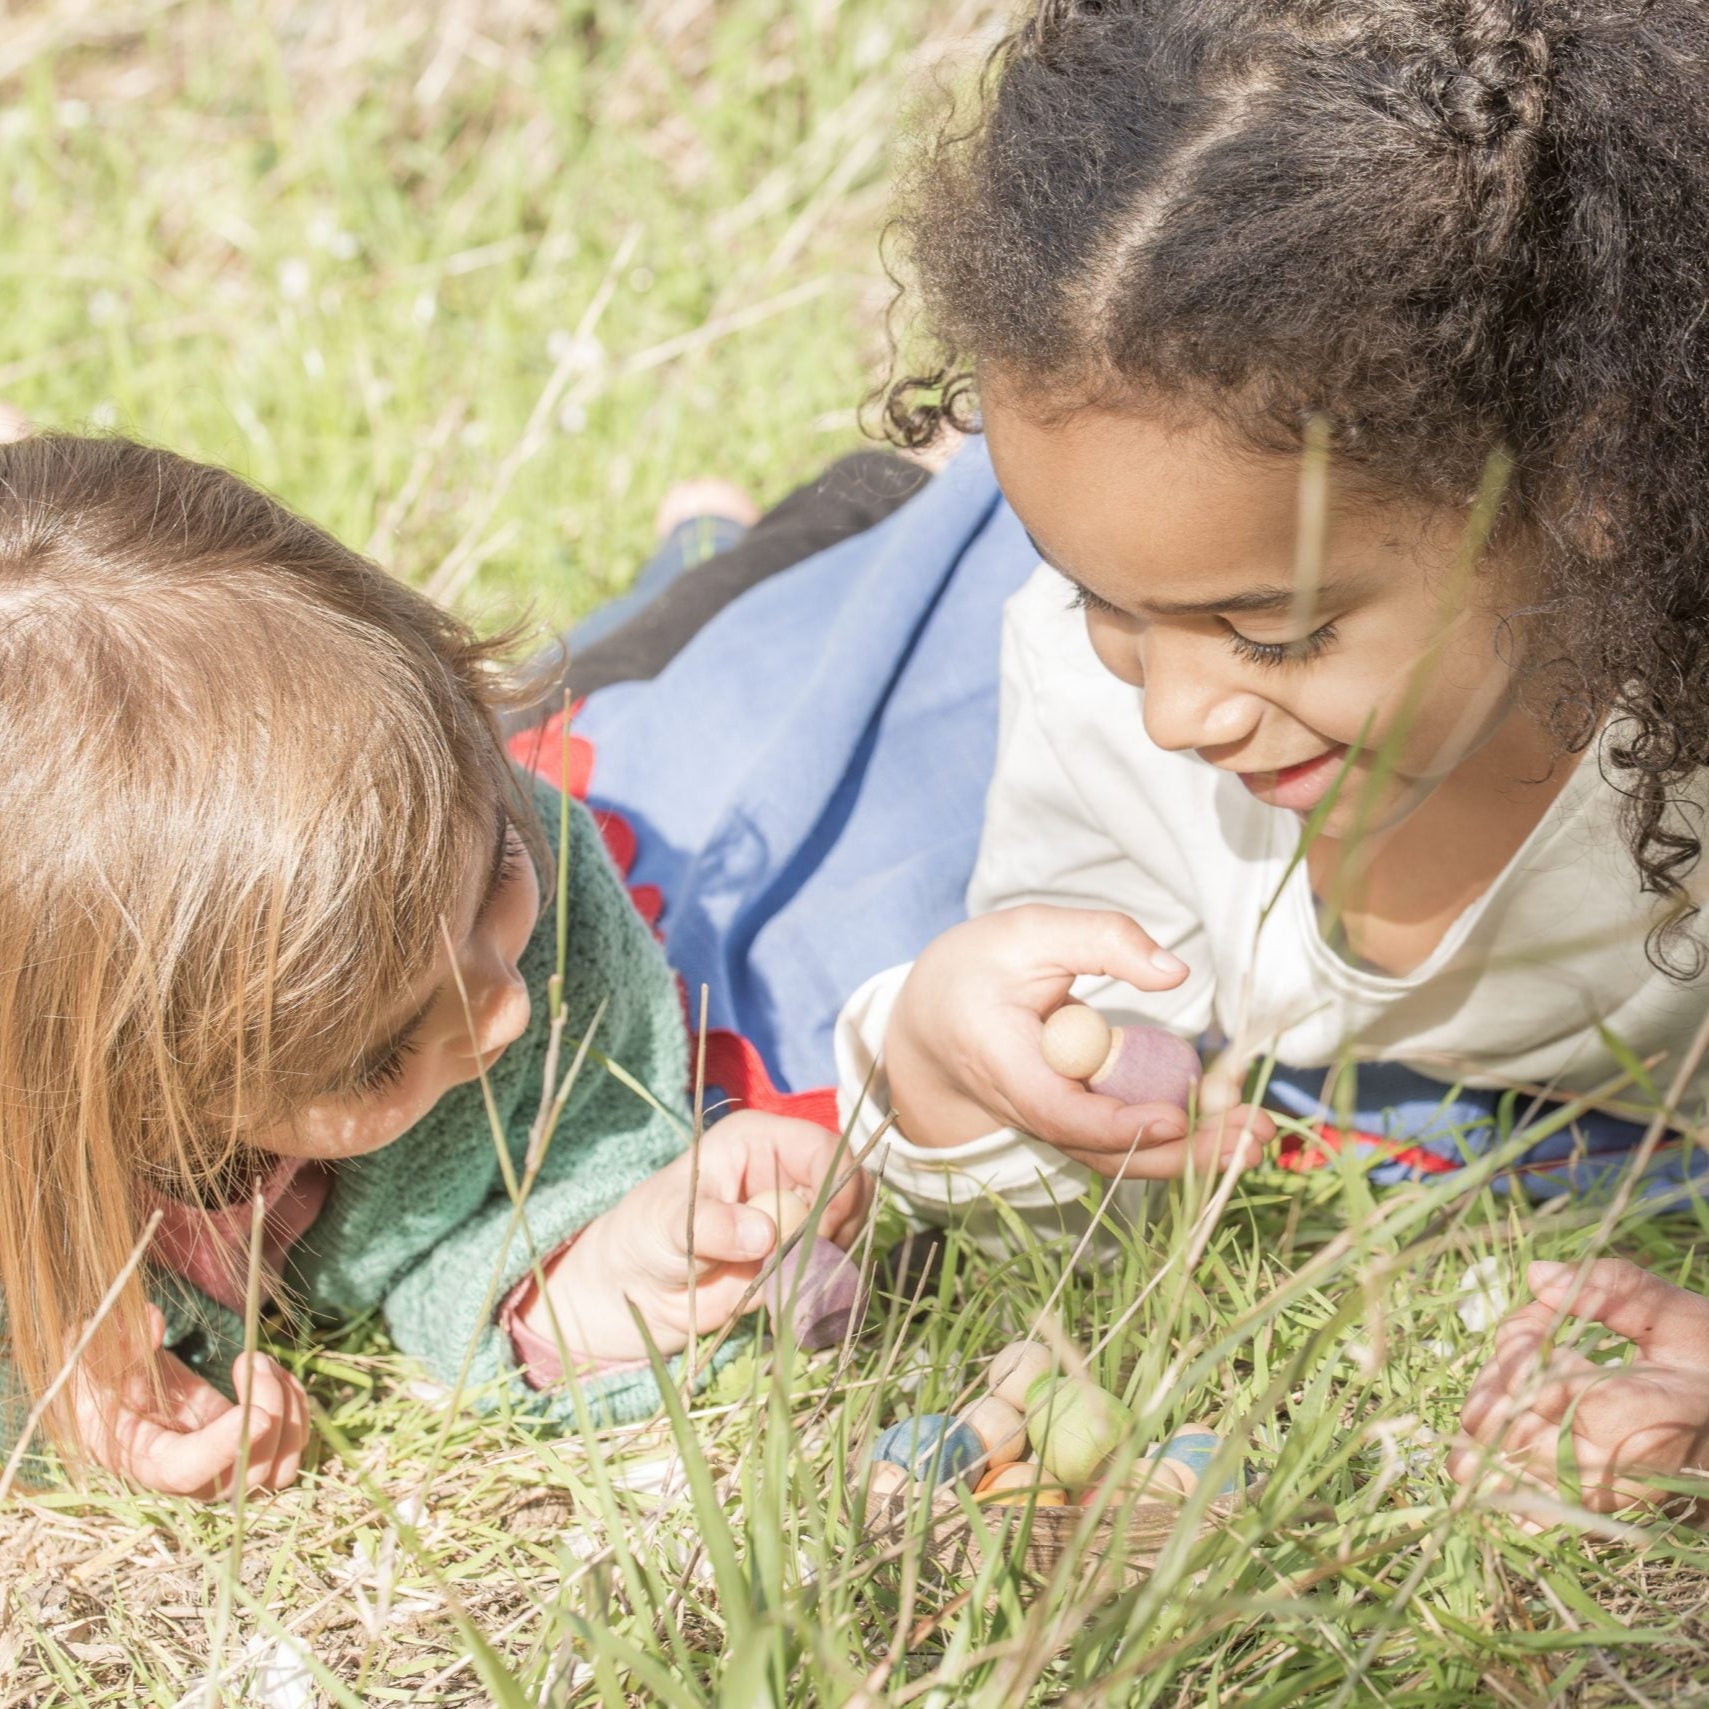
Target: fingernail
754	1232
1545	1272
1164	1128
1164	962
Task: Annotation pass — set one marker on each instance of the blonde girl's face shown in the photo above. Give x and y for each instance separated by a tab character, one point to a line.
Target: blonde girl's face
1183	551
426	1047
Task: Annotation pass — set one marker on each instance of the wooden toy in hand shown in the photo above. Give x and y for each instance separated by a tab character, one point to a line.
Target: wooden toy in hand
817	1284
1138	1065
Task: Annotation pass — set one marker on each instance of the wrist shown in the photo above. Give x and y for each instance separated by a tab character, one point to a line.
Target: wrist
580	1301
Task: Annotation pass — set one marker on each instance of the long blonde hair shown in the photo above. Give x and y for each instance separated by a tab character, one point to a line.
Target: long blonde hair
242	774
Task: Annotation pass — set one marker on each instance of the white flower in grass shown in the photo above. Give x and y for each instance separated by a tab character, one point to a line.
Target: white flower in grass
580	1543
1482	1299
326	233
661	1475
424	309
295	279
1440	1349
105	415
281	1677
684	1553
912	1376
412	1510
577	354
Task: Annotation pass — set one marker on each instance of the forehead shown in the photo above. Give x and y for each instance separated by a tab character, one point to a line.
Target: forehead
1166	510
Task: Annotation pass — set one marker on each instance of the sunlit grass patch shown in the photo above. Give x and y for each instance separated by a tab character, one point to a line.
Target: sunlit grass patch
728	1563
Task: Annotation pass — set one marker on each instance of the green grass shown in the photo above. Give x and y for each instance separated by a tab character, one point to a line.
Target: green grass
349	249
345	248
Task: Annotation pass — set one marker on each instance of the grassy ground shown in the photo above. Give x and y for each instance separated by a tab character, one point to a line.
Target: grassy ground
471	283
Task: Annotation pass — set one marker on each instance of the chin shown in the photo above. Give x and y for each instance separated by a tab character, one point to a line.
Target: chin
1354	815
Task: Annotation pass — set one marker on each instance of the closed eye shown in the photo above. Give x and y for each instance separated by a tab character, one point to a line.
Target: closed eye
511	856
1085	600
1276	653
388	1071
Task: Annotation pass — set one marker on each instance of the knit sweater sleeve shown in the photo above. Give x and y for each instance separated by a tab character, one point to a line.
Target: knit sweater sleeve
426	1228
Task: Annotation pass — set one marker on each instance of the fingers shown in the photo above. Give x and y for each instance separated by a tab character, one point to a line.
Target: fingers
1238	1138
1666	1322
1539	1456
1087	941
1064	1114
751	1153
726	1233
276	1456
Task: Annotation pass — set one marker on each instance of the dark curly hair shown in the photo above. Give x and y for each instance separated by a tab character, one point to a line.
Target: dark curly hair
1454	229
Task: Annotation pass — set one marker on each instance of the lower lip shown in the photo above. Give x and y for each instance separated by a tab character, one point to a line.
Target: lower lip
1298	788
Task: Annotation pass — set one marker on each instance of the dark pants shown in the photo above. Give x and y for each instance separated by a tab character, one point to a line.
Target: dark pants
850	497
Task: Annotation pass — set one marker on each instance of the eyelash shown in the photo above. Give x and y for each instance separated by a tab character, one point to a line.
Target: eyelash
1273	653
1269	653
390	1070
387	1072
509	863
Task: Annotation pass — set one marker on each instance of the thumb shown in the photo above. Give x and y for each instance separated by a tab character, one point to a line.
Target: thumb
1662	1320
726	1233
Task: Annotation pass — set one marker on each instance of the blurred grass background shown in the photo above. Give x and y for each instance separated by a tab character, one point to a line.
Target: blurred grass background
469	283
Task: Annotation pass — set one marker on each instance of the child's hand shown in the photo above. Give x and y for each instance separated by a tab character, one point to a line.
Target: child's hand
638	1250
186	1441
1651	1416
963	1051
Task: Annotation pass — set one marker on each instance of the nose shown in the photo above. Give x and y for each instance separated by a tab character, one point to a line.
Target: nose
503	1015
1188	704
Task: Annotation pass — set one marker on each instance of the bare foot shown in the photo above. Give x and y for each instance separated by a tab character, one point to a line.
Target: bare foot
707	497
14	424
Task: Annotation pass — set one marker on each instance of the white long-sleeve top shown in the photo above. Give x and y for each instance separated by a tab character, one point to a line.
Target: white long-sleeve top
1084	810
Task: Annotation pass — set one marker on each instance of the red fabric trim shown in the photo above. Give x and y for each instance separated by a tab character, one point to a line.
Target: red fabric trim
736	1067
618	836
649	902
1302	1155
733	1064
541	751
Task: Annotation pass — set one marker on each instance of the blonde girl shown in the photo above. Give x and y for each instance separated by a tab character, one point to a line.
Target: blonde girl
270	907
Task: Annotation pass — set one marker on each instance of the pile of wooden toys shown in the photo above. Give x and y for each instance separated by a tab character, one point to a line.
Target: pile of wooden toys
1073	1427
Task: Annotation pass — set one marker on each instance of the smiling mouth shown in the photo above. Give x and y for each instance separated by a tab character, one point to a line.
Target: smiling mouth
1300	786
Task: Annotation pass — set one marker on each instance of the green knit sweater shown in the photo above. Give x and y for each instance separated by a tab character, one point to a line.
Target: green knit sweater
418	1228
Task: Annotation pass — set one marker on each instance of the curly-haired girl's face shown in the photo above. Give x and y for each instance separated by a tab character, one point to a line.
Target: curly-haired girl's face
1183	552
419	1053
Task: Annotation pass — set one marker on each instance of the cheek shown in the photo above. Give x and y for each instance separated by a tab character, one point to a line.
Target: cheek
1117	647
354	1127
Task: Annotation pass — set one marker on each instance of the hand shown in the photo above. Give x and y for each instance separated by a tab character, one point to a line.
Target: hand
963	1051
186	1440
1624	1421
638	1250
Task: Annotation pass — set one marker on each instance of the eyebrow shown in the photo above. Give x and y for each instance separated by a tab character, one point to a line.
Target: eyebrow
1266	597
376	1054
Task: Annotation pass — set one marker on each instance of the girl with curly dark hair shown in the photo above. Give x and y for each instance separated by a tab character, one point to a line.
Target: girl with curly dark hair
1348	364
